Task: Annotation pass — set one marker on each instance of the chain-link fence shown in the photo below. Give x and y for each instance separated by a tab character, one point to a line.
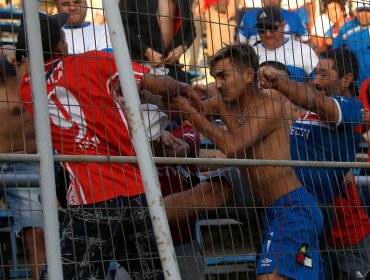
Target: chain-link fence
184	140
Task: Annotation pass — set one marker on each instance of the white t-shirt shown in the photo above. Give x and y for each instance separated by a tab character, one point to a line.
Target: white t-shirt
253	3
294	4
292	53
322	23
87	37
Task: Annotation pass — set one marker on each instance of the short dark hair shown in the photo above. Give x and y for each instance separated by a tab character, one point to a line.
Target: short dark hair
340	2
276	64
345	61
51	29
242	56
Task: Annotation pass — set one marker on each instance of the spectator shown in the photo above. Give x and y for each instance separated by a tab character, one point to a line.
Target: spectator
88	119
336	12
319	136
294	27
159	32
332	99
299	58
337	15
255	121
355	36
24	200
82	36
220	23
196	51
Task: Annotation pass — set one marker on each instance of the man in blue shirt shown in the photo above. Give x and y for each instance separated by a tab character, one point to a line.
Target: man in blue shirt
248	33
331	129
355	36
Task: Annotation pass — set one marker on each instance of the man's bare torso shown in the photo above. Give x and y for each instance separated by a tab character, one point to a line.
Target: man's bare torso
17	133
269	183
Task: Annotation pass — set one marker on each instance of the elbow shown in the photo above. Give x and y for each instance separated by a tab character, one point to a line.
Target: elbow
234	151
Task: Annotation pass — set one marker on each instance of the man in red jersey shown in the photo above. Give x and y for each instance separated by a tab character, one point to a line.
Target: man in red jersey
106	200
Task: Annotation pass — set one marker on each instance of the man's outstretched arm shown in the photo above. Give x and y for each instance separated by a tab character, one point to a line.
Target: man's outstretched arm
301	94
233	143
164	85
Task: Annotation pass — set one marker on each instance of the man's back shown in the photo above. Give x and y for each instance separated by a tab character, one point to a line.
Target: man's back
87	120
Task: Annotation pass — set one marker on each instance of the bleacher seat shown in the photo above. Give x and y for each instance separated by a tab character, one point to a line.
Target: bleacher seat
226	246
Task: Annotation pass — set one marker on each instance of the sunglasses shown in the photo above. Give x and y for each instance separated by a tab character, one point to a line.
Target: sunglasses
263	28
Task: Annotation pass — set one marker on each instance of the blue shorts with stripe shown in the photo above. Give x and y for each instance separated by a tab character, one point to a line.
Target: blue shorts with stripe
292	229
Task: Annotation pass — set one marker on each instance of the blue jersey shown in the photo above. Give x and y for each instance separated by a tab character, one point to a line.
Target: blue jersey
293	23
315	140
356	38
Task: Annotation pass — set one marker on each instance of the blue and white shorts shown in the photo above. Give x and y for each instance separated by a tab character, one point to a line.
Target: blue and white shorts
292	232
19	186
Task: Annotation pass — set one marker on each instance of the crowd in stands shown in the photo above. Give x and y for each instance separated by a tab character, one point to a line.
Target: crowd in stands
281	80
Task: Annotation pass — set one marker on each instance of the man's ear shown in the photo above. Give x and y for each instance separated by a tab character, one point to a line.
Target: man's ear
346	80
249	76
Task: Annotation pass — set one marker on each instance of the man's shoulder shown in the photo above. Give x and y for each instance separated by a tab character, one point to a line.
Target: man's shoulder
349	26
250	15
252	12
350	104
301	47
346	99
269	105
289	15
101	28
86	27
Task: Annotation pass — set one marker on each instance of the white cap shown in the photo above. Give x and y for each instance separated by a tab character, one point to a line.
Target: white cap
154	121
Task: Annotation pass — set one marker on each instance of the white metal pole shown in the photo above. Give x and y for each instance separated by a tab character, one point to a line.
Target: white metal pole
43	137
144	154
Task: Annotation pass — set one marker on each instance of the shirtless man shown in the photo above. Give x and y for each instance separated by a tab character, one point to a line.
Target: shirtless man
330	130
260	131
17	136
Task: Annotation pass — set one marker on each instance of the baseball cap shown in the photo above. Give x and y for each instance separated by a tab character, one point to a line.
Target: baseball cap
362	5
269	16
51	28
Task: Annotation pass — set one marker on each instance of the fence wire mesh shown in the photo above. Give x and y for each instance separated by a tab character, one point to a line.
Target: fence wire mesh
191	139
